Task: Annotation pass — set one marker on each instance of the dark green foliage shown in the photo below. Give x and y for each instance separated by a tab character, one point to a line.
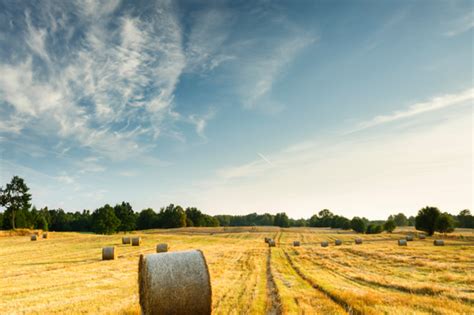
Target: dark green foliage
445	223
400	219
426	219
281	220
465	219
389	226
16	200
411	221
374	229
147	219
104	220
359	225
127	217
172	217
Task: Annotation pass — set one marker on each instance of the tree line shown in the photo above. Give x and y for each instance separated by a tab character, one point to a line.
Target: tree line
15	199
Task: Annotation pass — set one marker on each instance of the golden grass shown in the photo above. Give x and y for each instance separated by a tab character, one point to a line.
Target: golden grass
65	273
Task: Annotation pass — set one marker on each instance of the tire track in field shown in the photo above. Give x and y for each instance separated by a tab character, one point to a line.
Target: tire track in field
350	309
273	297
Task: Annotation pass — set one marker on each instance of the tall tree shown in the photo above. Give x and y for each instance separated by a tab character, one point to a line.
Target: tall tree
389	226
281	220
445	223
14	198
127	217
104	220
358	224
426	219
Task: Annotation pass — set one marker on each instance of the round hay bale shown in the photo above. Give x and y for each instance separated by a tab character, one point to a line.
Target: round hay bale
271	243
174	283
162	248
422	236
358	241
34	237
45	235
438	243
125	240
136	241
325	244
296	243
338	242
108	253
402	242
409	238
267	239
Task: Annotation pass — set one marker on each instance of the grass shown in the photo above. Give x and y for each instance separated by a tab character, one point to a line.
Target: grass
65	273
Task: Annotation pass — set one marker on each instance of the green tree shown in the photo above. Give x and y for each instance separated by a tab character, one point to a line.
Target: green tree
127	217
281	220
15	198
411	221
374	229
445	223
104	220
465	219
172	217
358	224
194	217
147	219
400	219
426	219
389	226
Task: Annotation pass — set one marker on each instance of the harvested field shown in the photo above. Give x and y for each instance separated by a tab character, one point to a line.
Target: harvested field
66	274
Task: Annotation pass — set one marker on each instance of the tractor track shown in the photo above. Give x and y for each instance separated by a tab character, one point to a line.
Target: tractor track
273	296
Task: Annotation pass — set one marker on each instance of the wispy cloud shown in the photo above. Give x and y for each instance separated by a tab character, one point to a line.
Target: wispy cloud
435	103
263	157
461	25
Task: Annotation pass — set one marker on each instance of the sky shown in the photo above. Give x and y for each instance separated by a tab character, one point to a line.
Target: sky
361	107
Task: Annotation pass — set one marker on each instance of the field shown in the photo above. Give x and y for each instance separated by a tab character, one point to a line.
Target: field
65	273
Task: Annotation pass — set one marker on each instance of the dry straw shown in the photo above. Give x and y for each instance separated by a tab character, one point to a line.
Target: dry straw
296	243
125	240
402	242
108	253
33	237
325	244
45	235
358	241
271	243
409	238
162	248
438	243
338	242
174	283
136	241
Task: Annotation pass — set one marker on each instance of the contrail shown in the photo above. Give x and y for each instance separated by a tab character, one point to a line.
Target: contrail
263	157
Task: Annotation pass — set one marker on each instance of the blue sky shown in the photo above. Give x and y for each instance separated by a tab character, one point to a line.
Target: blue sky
362	107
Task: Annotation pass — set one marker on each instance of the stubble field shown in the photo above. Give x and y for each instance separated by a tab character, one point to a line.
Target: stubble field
65	273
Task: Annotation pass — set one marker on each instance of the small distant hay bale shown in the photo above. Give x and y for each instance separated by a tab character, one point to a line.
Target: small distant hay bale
358	241
296	243
422	236
125	240
409	238
162	248
324	244
136	241
338	242
34	237
438	243
108	253
402	242
45	235
271	243
267	239
174	283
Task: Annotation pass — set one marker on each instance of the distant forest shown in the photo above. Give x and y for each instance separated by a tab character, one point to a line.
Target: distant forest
18	213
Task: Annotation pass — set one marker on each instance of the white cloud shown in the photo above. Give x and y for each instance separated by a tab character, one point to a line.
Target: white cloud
461	25
435	103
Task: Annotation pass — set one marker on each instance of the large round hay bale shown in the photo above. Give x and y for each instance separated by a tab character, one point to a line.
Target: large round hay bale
338	242
271	243
402	242
125	240
422	236
296	243
174	283
409	238
324	244
108	253
358	241
438	243
162	248
45	235
136	241
34	237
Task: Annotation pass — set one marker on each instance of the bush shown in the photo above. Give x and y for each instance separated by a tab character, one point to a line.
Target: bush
445	223
358	225
374	229
389	226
